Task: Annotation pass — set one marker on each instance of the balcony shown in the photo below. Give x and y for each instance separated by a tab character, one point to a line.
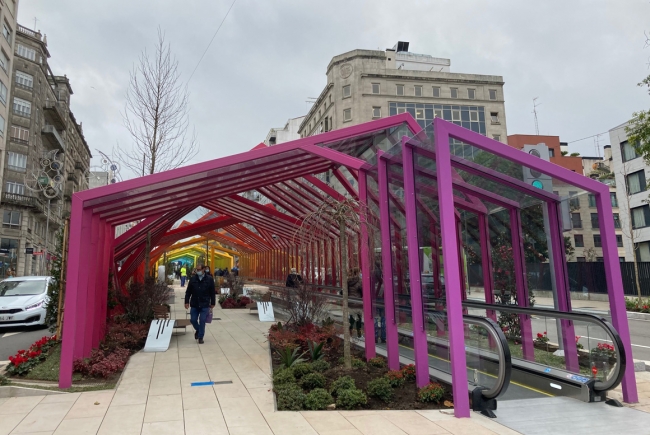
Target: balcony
29	32
78	166
21	200
54	113
18	140
52	137
72	177
24	87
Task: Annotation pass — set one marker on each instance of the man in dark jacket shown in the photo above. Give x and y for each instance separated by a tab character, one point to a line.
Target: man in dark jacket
200	295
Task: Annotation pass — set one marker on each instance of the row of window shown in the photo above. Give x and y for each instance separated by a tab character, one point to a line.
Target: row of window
574	199
579	241
16	161
576	220
422	91
635	182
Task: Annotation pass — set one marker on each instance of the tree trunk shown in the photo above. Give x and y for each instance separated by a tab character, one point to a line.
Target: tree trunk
636	276
347	358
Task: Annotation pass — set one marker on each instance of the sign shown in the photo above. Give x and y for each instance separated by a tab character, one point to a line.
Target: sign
265	311
29	251
38	253
44	180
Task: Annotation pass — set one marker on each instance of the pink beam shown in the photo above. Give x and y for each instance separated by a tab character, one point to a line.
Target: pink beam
368	320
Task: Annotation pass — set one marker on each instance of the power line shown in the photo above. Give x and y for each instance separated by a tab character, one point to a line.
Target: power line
588	137
210	43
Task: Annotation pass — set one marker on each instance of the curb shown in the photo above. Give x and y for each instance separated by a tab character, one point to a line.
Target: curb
638	316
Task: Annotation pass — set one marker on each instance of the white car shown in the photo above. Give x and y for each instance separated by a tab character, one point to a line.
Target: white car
23	300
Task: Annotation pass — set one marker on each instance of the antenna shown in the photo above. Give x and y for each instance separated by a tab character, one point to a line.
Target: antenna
535	113
597	144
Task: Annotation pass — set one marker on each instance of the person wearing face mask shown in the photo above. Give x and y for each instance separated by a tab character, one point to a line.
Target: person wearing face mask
200	296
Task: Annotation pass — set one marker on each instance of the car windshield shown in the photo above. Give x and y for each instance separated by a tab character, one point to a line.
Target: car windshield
22	288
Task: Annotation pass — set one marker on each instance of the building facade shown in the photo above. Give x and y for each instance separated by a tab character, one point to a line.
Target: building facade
288	133
363	85
585	228
47	158
631	172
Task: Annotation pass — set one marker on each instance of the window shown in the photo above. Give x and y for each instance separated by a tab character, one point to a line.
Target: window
11	219
436	91
496	137
20	133
17	188
455	115
347	91
347	115
16	161
617	221
575	220
376	112
9	244
419	113
619	240
26	52
22	107
2	126
330	98
636	182
551	152
454	92
418	91
493	94
597	242
641	216
579	241
4	61
581	259
400	89
376	88
628	152
3	93
612	197
594	221
599	259
494	117
592	200
621	259
574	201
471	94
6	32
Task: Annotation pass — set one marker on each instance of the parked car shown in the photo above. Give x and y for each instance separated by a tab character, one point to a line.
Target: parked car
23	300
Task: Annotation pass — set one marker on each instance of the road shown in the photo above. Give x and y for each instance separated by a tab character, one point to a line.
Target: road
14	339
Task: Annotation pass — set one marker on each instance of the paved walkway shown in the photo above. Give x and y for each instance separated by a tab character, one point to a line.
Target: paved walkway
155	396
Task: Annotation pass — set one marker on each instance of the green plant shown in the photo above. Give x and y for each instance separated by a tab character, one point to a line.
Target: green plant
54	288
301	369
315	350
378	362
290	399
141	297
318	399
289	357
396	378
381	389
356	363
341	384
432	393
5	381
320	365
351	398
541	338
288	386
313	380
283	376
409	372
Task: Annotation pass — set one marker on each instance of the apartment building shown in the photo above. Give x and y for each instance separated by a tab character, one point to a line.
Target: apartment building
47	158
585	228
287	133
8	14
363	85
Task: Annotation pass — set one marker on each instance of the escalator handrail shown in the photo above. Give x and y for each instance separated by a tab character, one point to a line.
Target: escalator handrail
505	359
621	359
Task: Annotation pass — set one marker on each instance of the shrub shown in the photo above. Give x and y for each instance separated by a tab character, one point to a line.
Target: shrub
351	398
433	392
301	369
299	336
341	384
102	364
140	298
315	350
318	399
289	358
291	399
23	362
395	378
378	362
284	376
5	381
283	387
381	389
313	380
320	365
131	336
409	372
356	363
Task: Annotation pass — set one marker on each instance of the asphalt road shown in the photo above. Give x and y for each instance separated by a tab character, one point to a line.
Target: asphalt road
14	339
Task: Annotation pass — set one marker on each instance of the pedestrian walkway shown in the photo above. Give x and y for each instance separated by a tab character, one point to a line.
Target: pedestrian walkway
156	396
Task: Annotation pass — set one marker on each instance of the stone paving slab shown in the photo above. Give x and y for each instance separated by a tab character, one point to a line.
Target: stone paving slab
155	396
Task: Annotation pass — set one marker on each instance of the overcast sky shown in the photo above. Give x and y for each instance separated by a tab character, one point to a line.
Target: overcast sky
581	58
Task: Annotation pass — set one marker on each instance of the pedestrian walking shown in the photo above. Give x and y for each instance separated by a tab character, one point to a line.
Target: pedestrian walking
200	296
183	276
293	279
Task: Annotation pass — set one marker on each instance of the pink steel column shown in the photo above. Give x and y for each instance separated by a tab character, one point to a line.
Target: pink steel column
522	285
420	348
615	288
392	344
368	322
486	263
450	251
99	283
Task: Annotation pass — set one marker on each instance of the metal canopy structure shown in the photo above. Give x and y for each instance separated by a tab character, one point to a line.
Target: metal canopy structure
437	202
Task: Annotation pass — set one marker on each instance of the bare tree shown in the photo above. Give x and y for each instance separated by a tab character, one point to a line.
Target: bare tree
628	230
156	114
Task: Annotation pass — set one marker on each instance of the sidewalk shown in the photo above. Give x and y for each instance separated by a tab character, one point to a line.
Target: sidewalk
155	396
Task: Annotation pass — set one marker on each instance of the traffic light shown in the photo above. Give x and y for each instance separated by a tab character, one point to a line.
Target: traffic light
534	177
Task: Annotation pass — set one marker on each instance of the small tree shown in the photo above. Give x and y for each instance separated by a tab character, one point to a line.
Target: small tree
304	305
54	289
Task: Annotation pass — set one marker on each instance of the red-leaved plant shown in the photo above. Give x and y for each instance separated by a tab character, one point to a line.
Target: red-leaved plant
25	360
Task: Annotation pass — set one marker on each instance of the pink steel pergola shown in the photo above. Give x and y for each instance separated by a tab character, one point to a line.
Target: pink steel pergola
265	235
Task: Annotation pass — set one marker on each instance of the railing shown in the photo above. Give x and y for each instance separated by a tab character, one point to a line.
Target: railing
19	140
17	199
22	112
79	166
50	129
29	32
24	87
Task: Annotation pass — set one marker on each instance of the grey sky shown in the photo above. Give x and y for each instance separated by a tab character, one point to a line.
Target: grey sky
581	58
